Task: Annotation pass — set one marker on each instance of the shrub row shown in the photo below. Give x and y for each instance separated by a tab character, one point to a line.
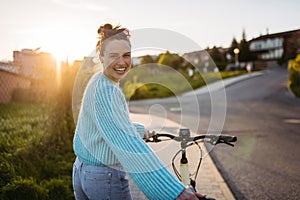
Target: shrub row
294	76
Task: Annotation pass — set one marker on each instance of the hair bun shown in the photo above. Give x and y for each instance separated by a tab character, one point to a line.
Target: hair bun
107	26
107	30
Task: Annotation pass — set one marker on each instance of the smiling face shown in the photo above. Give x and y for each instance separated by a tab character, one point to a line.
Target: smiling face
116	59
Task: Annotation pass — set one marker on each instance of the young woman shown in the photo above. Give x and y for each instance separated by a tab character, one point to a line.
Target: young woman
107	144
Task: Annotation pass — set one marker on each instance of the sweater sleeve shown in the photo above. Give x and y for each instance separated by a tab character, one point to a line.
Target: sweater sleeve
113	121
140	128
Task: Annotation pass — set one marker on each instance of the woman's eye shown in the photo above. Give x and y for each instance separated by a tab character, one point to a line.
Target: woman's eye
114	56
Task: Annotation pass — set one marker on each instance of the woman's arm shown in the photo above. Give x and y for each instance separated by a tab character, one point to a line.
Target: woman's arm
140	128
137	158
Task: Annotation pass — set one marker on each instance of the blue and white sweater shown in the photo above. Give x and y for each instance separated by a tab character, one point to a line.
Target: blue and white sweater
105	135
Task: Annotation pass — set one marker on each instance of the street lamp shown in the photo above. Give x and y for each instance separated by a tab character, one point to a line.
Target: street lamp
236	52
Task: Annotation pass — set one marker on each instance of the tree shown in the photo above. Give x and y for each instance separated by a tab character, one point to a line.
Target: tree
219	58
216	55
234	44
245	54
172	60
244	35
147	59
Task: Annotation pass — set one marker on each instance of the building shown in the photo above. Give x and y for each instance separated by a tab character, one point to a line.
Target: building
35	64
31	76
275	49
202	60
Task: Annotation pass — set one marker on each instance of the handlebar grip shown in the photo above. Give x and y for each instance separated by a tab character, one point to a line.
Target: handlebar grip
227	138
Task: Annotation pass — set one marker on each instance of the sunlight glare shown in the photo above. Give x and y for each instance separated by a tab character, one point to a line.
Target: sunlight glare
65	44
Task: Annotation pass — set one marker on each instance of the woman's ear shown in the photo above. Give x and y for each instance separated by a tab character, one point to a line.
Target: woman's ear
101	59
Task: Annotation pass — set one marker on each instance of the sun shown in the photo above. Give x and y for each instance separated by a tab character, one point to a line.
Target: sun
59	46
64	43
60	42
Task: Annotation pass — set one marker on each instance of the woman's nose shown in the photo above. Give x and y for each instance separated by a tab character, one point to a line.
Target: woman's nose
121	60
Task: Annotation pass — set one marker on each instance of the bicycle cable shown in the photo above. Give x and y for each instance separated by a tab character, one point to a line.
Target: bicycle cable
174	167
177	173
200	161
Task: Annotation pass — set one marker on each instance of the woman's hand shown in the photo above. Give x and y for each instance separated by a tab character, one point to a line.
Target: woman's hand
188	194
146	135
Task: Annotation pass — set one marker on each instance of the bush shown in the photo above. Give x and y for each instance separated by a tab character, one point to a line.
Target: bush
23	189
59	189
294	76
151	90
221	65
7	173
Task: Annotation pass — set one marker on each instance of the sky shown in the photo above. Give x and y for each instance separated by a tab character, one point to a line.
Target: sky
68	28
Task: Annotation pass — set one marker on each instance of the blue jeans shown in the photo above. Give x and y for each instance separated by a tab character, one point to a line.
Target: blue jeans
92	182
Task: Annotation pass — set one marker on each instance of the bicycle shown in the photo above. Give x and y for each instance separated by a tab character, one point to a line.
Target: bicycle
186	141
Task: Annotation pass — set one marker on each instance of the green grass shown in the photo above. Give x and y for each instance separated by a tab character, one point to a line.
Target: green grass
35	149
21	124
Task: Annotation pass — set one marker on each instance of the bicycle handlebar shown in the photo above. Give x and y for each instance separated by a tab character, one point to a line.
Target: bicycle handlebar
213	139
186	140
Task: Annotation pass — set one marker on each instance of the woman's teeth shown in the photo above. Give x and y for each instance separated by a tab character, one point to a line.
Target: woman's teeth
120	69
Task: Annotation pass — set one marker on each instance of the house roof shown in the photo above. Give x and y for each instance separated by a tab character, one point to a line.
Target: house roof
8	67
280	34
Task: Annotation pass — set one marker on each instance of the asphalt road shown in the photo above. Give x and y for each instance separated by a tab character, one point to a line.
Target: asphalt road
266	119
265	116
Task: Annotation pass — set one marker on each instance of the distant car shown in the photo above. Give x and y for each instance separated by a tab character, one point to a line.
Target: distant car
232	67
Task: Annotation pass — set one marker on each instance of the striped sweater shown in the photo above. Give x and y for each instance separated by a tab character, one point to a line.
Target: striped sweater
105	135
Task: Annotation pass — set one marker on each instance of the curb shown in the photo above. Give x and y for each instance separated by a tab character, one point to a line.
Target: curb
222	84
